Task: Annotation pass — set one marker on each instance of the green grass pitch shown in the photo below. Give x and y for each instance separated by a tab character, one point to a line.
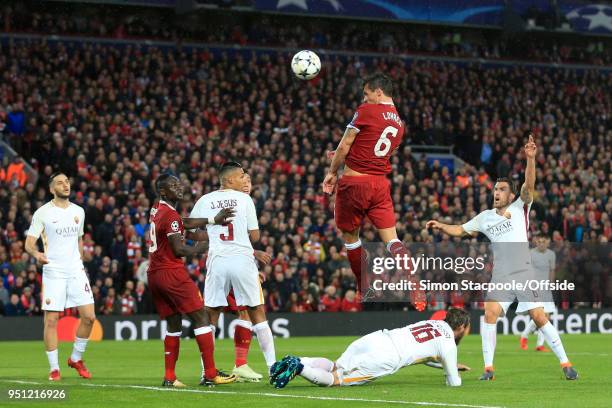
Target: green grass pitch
128	374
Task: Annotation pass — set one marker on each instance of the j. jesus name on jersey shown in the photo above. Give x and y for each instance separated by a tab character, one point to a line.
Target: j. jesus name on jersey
219	204
380	133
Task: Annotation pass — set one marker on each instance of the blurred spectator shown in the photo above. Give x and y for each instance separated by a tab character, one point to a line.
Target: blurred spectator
14	307
330	302
350	303
144	303
128	302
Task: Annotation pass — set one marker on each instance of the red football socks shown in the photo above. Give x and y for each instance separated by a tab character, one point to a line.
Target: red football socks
206	343
242	342
171	354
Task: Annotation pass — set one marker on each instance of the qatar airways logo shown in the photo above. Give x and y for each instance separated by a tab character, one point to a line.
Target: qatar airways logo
500	229
67	232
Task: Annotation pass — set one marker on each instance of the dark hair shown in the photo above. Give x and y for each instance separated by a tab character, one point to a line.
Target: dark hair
54	175
380	81
510	182
456	318
162	181
227	167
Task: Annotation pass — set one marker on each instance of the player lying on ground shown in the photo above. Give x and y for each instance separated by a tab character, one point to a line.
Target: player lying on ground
173	291
364	190
231	262
65	284
383	353
506	223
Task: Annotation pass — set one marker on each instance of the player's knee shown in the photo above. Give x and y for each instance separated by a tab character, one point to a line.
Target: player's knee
491	315
51	321
539	317
88	320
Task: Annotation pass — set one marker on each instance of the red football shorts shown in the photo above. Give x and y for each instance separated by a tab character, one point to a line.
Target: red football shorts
232	307
174	292
364	196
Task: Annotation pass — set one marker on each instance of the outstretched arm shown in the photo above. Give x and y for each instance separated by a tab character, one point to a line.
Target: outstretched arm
452	230
338	159
222	217
179	249
530	173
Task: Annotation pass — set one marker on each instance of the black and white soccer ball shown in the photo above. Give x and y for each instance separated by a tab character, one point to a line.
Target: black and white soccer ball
306	64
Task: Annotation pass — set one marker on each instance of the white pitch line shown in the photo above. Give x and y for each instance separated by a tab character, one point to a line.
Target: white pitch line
267	394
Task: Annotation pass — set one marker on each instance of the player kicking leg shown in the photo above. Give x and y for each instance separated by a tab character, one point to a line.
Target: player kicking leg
383	353
364	190
65	283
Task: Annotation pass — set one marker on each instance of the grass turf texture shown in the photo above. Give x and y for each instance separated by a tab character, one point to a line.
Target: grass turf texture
524	378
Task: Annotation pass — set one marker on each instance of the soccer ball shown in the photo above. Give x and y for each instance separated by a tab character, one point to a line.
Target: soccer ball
306	65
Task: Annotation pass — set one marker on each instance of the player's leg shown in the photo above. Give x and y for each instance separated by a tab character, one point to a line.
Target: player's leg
79	295
171	349
541	339
320	376
242	342
54	294
529	328
50	339
87	316
554	341
488	333
348	214
264	333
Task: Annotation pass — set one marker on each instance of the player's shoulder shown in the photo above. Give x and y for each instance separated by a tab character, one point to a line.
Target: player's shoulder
77	208
43	209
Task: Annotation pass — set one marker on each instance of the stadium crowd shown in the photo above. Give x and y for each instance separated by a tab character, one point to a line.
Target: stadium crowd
115	118
230	27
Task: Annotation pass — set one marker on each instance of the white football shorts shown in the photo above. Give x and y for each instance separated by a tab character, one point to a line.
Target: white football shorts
59	294
367	359
239	273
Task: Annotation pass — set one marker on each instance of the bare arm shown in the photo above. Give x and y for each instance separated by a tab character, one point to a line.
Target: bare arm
338	159
452	230
223	216
254	235
179	249
198	235
530	173
32	249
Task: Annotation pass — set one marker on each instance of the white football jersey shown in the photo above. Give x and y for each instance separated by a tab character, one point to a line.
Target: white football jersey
543	262
233	238
508	233
60	229
421	342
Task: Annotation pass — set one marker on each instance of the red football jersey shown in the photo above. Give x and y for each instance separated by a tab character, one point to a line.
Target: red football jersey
380	133
165	221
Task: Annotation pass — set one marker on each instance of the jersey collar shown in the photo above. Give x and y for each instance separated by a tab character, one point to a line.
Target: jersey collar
165	203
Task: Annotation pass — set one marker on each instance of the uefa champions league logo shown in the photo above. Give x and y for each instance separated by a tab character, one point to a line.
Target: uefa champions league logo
592	17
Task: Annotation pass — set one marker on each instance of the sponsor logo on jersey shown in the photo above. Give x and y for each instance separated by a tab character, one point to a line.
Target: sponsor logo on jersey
67	231
500	229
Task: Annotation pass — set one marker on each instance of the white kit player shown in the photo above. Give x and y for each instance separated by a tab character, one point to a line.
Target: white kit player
231	261
384	352
506	227
544	263
65	284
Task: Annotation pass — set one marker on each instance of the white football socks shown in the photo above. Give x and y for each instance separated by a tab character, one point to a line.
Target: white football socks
318	376
318	362
554	341
488	332
266	342
78	349
541	339
52	356
529	328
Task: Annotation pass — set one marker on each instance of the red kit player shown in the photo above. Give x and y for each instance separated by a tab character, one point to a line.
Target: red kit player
174	293
364	189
